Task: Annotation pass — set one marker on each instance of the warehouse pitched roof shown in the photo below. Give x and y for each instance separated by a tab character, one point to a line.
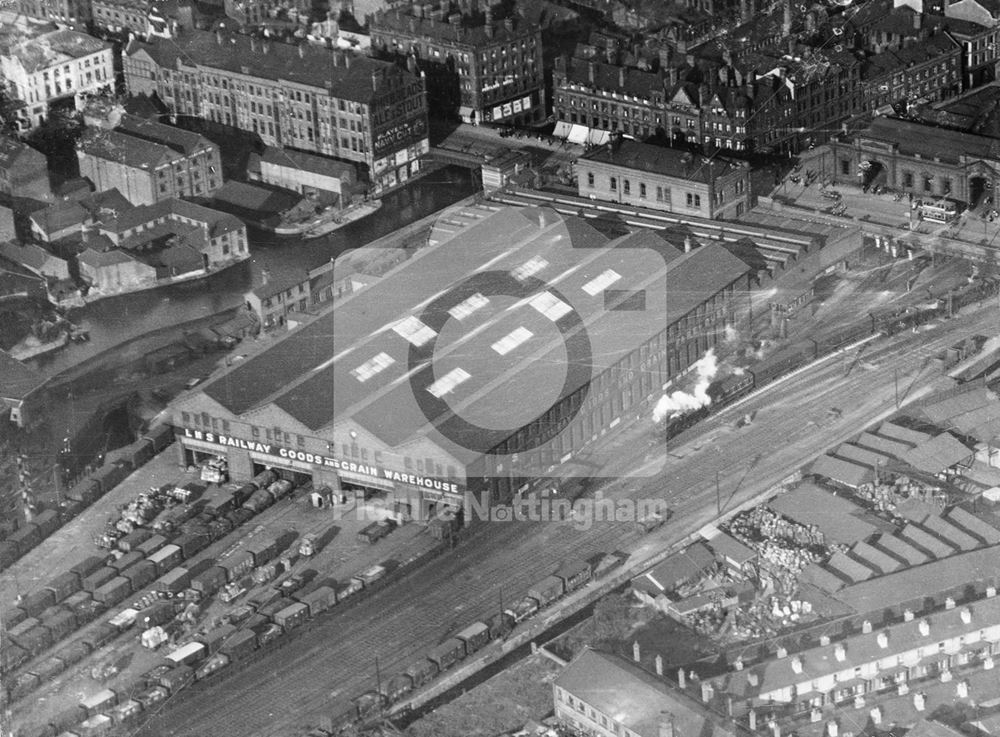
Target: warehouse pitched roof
938	454
844	472
487	349
659	160
679	567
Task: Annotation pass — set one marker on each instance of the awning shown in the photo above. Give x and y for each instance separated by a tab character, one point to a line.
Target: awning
578	134
466	112
562	129
373	482
598	137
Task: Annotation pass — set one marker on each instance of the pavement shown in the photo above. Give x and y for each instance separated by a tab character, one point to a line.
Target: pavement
792	425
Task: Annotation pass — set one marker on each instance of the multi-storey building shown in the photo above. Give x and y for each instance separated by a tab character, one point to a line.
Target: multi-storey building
141	16
665	179
310	98
478	68
73	13
55	66
977	29
24	172
148	161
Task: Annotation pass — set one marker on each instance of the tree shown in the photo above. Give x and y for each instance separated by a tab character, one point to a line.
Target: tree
9	107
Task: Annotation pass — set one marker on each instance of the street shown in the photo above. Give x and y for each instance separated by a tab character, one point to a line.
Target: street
794	421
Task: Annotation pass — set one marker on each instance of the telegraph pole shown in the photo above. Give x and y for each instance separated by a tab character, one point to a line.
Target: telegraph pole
718	494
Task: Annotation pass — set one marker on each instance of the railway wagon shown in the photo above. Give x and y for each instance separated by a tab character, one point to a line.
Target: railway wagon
128	559
141	451
196	568
173	581
100	635
523	609
319	600
125	711
269	633
220	503
447	653
12	656
87	566
34	640
397	687
188	654
292	616
337	721
160	436
237	565
37	602
151	696
280	489
75	602
177	678
422	671
47	522
74	652
134	539
191	544
121	457
209	581
98	702
8	554
61	624
259	501
141	574
547	590
25	538
211	666
13	616
21	627
49	668
24	684
240	644
215	638
263	551
87	491
368	704
159	613
113	592
152	544
63	586
475	636
574	574
264	479
166	558
241	493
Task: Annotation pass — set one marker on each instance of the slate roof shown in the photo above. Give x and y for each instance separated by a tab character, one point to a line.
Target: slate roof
679	567
296	375
97	259
125	149
466	34
180	140
729	547
950	534
924	540
28	254
48	49
290	158
839	519
638	83
889	62
280	63
973	524
885	445
902	549
920	581
862	456
634	698
903	434
875	558
660	160
857	650
13	154
914	138
852	570
847	473
938	454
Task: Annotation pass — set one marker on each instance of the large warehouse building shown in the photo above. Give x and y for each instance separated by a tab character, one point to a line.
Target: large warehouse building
490	358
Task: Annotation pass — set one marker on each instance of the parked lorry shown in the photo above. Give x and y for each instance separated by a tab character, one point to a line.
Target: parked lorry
376	531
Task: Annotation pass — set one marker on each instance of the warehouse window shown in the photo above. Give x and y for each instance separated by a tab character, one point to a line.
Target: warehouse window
626	186
185	419
225	426
364	454
378	456
642	190
345	450
205	419
408	463
590	179
614	184
255	431
301	441
355	452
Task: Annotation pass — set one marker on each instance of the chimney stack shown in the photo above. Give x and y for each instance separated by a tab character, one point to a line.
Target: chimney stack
667	725
681	679
753	720
253	43
658	663
621	78
916	21
489	23
866	627
218	37
635	651
347	59
590	69
786	23
302	50
508	23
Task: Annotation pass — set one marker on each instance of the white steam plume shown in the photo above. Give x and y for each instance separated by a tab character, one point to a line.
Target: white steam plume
671	405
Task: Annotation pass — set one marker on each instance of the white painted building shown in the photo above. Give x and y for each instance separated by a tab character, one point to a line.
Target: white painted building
53	66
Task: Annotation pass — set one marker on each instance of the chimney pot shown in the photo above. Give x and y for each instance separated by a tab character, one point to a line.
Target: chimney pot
925	627
967	615
782	651
991	591
949	603
840	652
797	665
908	615
866	627
883	640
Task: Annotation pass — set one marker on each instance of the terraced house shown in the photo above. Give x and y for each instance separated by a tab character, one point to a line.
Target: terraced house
305	97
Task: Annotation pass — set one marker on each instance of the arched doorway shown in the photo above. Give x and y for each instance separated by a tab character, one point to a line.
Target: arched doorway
873	175
979	190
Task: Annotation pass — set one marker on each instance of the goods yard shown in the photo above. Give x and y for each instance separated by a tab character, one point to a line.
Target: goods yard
204	576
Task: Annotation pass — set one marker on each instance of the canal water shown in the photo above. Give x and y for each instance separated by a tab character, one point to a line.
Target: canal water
116	320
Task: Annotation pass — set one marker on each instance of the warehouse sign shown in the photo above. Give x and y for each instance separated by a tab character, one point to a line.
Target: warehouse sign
362	469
